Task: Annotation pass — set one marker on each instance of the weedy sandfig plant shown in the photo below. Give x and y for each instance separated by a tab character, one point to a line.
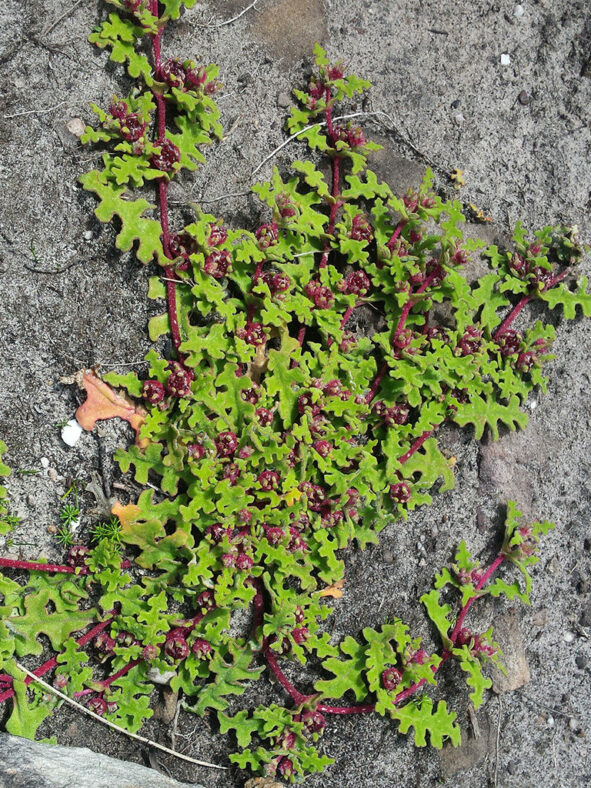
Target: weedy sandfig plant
279	433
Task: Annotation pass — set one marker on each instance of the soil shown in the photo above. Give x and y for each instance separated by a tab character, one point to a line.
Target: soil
521	133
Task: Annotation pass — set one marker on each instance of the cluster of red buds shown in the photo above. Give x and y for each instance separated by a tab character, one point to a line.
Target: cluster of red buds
357	283
179	381
131	126
167	160
187	75
321	295
252	334
267	235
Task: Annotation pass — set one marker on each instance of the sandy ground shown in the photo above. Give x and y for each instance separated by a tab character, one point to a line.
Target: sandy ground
521	133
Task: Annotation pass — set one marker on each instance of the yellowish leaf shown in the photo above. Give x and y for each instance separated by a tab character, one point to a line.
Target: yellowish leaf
334	590
126	514
103	402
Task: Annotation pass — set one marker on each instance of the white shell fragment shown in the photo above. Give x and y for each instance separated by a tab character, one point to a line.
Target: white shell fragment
505	59
71	433
518	11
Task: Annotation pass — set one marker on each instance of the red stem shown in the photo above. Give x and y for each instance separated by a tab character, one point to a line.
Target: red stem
523	302
106	682
163	193
395	234
51	663
34	566
403	317
378	379
37	566
416	445
336	178
295	694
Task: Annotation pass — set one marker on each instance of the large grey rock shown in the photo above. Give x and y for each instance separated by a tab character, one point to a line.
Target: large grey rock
31	764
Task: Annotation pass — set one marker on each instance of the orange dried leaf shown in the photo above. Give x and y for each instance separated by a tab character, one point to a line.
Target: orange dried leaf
334	590
103	402
126	514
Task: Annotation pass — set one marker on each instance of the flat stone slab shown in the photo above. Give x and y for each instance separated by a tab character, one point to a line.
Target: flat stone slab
25	763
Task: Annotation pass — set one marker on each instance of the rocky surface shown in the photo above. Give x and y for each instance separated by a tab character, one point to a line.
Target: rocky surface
24	764
522	134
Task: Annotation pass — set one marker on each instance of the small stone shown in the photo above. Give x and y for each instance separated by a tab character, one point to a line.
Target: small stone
283	100
585	619
87	235
51	529
550	721
512	767
587	544
505	59
71	433
518	11
574	725
76	126
523	98
455	104
568	637
44	462
459	118
581	661
388	557
53	475
160	677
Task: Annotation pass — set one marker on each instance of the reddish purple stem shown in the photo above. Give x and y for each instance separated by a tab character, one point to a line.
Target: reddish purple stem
51	663
523	302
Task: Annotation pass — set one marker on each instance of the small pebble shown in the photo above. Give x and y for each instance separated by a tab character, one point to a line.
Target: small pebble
88	235
459	118
76	126
388	557
51	529
505	59
160	677
71	433
523	98
587	544
518	11
52	473
44	462
573	724
283	100
550	721
581	661
569	637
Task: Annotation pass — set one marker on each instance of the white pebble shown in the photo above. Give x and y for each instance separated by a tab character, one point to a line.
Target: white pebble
76	126
75	524
569	637
459	118
573	724
44	462
550	721
71	433
88	235
518	11
505	59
